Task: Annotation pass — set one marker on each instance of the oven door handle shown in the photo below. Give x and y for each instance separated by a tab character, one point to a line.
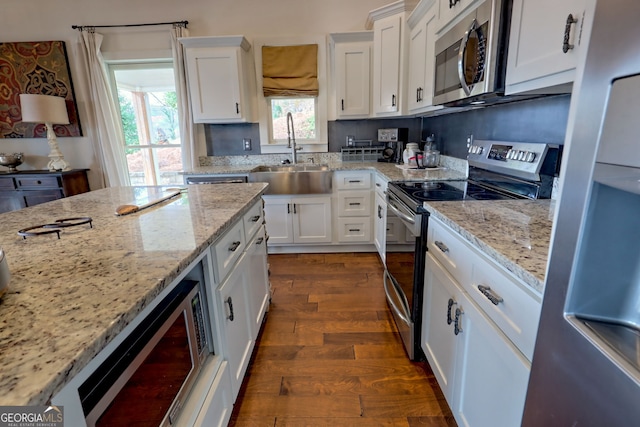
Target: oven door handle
410	219
401	314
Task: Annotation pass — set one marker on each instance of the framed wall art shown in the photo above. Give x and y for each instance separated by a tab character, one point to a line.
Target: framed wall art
37	68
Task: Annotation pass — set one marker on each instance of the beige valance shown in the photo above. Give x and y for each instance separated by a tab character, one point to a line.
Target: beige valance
290	70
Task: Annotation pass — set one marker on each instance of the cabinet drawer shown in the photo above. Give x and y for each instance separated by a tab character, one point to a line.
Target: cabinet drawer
6	183
35	182
253	219
228	249
354	203
354	229
448	248
32	198
506	302
356	180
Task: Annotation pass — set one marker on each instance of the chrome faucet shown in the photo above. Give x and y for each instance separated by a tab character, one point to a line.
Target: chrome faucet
291	139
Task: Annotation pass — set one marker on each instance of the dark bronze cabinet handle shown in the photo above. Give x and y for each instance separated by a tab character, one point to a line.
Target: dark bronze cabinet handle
237	108
342	102
229	302
490	294
255	218
450	305
457	327
566	46
234	246
393	100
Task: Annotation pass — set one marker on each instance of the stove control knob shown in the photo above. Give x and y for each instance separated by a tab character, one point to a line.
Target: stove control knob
530	157
521	155
479	149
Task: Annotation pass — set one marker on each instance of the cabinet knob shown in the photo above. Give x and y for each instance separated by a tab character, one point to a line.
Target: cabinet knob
566	46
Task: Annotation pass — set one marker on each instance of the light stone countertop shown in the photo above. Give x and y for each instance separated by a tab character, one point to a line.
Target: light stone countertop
514	233
69	297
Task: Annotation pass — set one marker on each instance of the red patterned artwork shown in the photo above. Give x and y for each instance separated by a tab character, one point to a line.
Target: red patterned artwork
40	68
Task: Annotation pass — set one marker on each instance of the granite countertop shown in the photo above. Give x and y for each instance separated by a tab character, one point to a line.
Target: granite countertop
514	233
69	297
389	170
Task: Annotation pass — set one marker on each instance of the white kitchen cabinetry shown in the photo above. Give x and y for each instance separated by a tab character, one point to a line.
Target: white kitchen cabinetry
352	74
390	57
538	60
354	206
257	279
474	335
221	79
298	219
380	212
451	9
422	23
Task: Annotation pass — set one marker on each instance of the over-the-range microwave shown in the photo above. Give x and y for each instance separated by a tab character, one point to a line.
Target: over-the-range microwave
471	56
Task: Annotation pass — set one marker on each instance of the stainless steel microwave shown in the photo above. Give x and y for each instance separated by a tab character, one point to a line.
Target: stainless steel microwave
471	56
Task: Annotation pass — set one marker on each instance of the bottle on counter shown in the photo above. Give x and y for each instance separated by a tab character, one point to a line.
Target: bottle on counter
409	154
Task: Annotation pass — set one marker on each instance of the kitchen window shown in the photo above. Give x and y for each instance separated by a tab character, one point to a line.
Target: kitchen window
303	111
147	103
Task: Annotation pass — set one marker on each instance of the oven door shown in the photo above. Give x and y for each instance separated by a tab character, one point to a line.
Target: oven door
401	260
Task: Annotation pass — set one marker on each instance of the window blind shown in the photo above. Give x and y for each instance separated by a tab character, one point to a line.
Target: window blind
290	70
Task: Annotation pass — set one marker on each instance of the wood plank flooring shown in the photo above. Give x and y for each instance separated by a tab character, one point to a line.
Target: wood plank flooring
329	353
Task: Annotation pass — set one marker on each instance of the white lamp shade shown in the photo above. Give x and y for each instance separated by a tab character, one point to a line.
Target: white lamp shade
43	109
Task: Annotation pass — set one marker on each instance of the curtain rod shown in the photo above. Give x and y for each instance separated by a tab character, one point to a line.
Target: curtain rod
82	27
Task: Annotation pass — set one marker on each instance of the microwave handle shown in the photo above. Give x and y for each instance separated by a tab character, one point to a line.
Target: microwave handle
461	51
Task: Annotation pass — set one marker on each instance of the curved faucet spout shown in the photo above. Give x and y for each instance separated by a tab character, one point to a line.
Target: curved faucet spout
291	139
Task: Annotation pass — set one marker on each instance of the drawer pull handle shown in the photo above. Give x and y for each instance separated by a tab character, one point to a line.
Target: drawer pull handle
491	296
354	204
379	211
354	229
450	305
255	218
441	246
234	246
229	302
260	240
457	327
357	181
566	46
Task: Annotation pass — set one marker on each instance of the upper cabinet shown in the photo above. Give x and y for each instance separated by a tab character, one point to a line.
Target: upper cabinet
450	9
351	74
390	57
547	38
221	79
422	24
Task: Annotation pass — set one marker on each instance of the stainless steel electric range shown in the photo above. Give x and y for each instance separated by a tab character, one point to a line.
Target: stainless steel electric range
497	171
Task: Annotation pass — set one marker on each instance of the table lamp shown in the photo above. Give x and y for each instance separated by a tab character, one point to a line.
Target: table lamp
49	110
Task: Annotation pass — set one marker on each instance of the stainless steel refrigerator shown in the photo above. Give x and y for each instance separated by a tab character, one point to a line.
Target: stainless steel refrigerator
586	364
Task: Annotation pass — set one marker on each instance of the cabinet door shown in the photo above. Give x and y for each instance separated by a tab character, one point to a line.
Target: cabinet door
238	334
352	77
257	280
491	374
422	62
311	219
380	225
214	83
538	30
439	341
386	64
279	219
218	403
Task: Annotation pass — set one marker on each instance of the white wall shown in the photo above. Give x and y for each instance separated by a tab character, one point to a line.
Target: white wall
39	20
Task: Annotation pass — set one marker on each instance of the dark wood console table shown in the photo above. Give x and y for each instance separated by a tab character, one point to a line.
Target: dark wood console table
28	188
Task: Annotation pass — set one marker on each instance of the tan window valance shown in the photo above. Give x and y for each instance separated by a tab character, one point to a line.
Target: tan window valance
290	70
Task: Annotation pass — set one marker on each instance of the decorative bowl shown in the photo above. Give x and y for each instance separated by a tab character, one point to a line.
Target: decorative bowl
11	161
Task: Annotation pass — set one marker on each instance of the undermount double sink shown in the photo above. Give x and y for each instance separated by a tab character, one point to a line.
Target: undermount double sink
294	179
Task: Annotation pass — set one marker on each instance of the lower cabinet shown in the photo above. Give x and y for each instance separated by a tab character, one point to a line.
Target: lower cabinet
380	225
298	219
218	403
257	279
481	373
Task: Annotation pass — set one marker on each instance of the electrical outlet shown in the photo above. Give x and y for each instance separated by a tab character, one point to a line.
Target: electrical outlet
350	140
247	144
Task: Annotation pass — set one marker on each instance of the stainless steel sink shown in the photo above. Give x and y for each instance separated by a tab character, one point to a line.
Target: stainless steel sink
294	179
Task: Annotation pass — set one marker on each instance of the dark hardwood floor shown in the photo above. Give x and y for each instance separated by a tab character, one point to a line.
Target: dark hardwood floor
329	354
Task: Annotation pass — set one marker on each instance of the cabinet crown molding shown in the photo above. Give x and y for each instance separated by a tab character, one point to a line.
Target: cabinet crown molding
216	41
354	36
389	10
420	10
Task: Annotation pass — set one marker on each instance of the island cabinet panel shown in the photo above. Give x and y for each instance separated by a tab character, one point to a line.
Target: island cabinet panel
29	188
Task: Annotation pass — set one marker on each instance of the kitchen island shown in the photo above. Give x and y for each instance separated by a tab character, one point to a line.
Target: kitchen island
69	297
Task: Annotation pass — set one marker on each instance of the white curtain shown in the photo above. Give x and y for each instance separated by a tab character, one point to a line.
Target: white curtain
187	130
109	139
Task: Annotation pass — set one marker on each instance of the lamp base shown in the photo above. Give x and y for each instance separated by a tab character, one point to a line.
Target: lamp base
56	162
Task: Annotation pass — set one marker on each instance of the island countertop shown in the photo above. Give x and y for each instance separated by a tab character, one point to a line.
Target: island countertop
516	234
68	297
